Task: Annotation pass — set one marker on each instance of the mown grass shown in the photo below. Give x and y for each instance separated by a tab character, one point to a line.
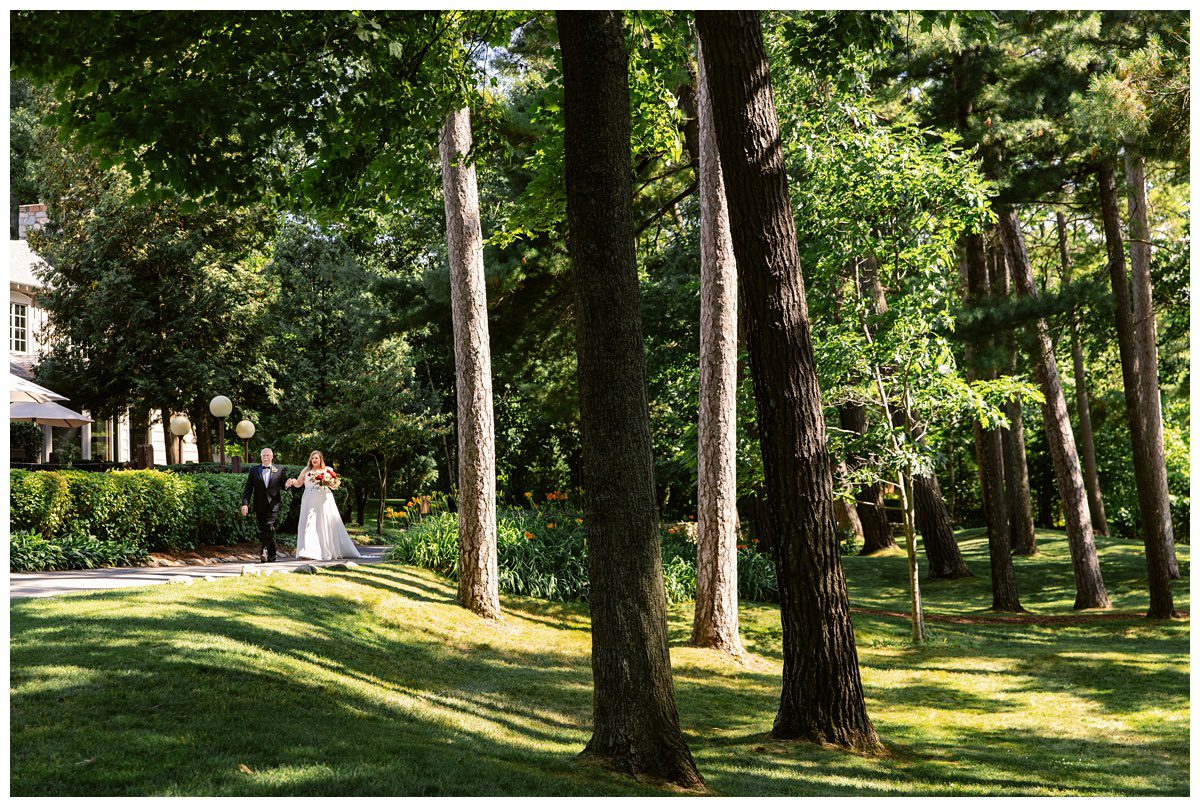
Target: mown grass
373	682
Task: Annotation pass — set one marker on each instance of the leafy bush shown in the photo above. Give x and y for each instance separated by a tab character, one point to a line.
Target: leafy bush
543	553
31	552
25	437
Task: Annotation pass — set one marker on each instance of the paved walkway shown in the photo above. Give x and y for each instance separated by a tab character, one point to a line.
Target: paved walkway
49	584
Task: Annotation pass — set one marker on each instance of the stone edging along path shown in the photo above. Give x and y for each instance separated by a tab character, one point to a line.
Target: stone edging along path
50	584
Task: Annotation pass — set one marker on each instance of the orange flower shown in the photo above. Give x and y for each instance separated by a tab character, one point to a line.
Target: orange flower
671	531
579	521
741	546
528	536
550	526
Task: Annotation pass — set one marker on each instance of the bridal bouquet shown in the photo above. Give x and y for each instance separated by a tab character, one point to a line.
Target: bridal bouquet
326	478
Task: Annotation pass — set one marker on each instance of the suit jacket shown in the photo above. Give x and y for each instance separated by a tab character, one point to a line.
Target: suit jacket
266	497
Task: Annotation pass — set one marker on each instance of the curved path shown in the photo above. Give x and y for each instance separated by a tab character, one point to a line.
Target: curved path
50	584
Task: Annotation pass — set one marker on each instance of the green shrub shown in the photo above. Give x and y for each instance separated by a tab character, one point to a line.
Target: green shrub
31	552
25	437
543	553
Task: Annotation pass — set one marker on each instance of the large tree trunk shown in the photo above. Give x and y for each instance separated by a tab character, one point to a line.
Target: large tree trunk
933	522
869	502
716	619
636	725
204	436
1154	501
478	576
170	441
1016	469
989	450
1089	585
1087	441
822	698
1158	556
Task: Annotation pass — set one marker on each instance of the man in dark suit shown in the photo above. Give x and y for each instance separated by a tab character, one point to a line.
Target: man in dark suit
264	484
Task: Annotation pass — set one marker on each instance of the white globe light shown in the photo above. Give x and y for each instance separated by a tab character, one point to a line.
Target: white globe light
180	425
244	429
220	406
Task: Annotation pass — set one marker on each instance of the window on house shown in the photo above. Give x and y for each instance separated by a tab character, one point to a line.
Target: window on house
18	322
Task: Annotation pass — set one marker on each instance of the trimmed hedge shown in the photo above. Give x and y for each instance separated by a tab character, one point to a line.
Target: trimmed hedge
153	510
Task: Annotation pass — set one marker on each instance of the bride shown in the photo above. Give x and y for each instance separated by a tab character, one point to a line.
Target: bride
320	534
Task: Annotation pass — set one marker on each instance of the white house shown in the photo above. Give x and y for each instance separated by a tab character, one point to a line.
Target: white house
106	440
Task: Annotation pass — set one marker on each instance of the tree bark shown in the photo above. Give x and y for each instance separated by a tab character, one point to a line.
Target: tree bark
1016	469
989	450
478	575
1154	501
1089	585
933	522
1158	558
869	501
170	441
1087	441
822	698
716	618
636	724
204	438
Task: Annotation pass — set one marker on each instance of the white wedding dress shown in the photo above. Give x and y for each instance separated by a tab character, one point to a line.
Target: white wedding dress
320	533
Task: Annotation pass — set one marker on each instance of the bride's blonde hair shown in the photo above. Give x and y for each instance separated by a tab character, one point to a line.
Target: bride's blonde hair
320	456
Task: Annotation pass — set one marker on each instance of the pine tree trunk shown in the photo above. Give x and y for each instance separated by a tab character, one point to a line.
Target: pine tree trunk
716	618
989	450
478	575
1089	585
933	522
636	725
1158	558
1016	469
1155	503
1087	441
869	502
822	698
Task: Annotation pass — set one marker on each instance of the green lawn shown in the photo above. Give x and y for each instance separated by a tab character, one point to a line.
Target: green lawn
373	682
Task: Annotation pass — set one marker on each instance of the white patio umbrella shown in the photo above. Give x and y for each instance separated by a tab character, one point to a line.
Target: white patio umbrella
47	413
24	390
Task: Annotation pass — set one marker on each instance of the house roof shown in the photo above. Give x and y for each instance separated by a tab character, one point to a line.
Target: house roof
21	260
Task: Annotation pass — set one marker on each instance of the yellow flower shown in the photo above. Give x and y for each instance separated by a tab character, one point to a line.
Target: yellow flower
529	494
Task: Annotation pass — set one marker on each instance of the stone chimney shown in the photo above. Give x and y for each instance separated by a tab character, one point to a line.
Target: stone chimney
31	217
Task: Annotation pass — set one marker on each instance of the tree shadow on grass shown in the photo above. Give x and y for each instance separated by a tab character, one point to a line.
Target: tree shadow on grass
329	694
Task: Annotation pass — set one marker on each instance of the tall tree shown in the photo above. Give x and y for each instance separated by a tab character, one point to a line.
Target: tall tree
1154	501
1087	440
716	619
822	698
635	721
1090	591
478	574
1016	469
1158	557
989	449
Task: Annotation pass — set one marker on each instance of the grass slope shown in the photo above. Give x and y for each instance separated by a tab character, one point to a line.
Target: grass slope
372	681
